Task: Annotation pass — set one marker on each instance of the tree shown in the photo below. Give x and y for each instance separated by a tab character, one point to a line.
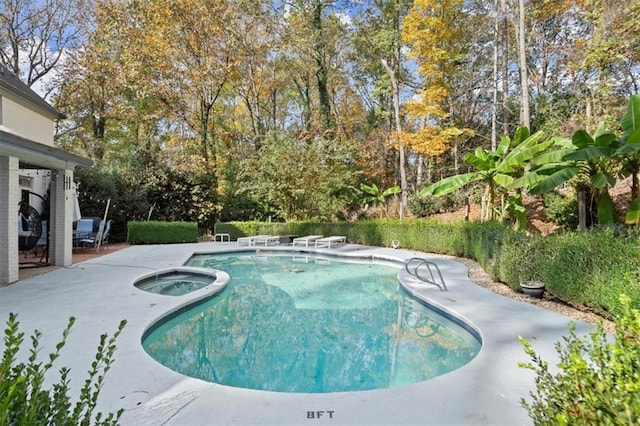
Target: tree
313	32
434	31
111	89
379	51
297	180
35	36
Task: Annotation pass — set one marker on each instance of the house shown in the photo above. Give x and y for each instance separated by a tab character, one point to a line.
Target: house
26	147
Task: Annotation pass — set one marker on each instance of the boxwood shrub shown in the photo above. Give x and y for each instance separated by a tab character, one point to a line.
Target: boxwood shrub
156	232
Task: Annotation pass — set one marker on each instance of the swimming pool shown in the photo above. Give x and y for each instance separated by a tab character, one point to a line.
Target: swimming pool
291	322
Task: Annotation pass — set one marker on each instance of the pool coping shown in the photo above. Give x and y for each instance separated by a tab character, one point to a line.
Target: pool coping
100	293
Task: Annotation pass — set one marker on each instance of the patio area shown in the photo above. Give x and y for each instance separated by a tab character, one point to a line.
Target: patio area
99	292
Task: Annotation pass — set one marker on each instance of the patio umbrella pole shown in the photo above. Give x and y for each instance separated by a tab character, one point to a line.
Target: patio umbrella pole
104	220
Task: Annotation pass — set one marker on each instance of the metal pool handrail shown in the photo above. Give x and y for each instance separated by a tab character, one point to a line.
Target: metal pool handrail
416	264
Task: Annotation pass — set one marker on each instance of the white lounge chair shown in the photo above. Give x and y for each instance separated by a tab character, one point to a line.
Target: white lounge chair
305	241
266	240
330	241
250	240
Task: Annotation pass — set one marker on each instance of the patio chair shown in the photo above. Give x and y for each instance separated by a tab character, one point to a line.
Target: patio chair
100	239
250	240
41	245
266	240
305	241
105	234
85	234
330	241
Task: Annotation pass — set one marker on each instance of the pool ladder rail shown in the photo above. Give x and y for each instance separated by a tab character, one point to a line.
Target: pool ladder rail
426	271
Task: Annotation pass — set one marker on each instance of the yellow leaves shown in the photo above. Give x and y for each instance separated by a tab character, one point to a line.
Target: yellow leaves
432	140
430	104
433	28
429	141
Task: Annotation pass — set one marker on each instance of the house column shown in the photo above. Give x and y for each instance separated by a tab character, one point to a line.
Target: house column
61	217
9	198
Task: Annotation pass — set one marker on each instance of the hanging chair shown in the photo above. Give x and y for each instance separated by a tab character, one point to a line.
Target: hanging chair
29	227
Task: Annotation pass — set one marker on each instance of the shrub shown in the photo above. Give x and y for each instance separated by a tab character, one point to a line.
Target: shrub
424	205
581	268
156	232
23	401
599	378
562	210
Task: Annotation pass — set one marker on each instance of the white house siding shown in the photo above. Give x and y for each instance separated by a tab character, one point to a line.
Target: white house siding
27	123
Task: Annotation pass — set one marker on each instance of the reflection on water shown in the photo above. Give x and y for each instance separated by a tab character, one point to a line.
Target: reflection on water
310	327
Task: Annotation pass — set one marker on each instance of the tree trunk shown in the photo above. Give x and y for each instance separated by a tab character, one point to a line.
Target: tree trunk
525	119
494	109
582	209
204	129
505	68
396	108
419	172
322	73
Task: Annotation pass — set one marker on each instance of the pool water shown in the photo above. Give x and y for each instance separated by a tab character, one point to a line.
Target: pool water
309	324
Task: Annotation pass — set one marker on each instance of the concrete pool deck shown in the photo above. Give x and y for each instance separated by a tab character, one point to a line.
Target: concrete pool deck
100	293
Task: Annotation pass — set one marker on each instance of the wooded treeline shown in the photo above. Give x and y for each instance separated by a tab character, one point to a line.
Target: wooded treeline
247	109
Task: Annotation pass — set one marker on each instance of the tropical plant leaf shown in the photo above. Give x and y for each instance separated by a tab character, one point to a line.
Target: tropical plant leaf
528	180
582	139
562	142
517	211
450	184
589	153
370	189
521	157
555	156
521	134
503	146
503	180
631	120
634	137
628	149
392	191
555	180
633	214
601	180
480	159
605	139
605	209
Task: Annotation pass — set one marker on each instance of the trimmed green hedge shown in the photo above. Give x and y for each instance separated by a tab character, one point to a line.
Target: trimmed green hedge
155	232
588	269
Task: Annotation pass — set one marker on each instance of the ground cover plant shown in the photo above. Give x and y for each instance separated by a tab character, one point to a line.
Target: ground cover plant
23	397
598	381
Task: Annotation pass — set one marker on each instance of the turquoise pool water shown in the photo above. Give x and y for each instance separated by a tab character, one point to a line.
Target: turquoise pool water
299	323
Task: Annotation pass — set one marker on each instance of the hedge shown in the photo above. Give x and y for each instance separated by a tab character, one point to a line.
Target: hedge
156	232
586	269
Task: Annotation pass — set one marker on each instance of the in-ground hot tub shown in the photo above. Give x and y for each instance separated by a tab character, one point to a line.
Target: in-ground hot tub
180	281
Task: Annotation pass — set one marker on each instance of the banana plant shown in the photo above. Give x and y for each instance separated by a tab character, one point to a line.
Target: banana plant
593	162
375	195
589	162
629	154
498	170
